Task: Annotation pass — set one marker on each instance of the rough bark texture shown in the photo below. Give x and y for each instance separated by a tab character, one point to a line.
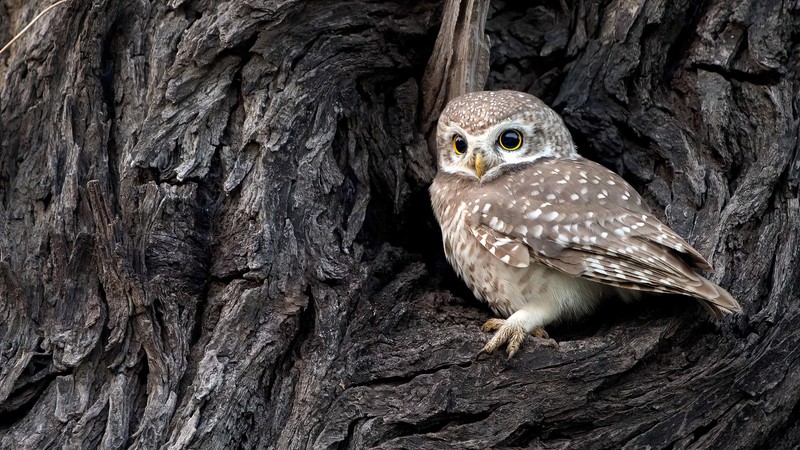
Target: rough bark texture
215	231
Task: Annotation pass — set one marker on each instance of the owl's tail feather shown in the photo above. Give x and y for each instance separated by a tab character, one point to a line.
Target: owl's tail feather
716	300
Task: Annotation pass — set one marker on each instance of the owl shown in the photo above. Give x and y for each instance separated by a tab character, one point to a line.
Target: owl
541	233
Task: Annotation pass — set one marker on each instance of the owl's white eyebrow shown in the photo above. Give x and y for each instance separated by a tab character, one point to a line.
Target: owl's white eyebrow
455	129
491	132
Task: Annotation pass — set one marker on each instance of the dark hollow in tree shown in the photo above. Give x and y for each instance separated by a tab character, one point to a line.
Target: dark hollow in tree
215	230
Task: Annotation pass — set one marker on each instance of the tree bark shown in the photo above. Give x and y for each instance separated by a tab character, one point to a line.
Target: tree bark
215	229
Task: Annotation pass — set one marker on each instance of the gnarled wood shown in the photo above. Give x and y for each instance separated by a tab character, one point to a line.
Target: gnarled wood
215	231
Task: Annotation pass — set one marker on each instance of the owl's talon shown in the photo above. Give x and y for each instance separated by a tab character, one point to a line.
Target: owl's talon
492	325
508	333
540	332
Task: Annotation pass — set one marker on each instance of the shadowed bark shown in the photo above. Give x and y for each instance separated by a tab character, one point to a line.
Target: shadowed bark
215	229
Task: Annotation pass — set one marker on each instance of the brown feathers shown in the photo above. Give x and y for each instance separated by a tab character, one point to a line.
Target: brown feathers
579	218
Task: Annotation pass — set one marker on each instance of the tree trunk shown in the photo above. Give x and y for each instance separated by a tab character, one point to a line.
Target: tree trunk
215	229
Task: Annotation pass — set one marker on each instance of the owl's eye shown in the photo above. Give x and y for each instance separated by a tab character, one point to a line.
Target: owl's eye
510	140
459	145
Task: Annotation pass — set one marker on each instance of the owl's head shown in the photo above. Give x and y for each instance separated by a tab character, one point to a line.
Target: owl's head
480	134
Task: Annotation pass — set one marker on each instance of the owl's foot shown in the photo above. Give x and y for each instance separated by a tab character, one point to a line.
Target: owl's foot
540	332
509	333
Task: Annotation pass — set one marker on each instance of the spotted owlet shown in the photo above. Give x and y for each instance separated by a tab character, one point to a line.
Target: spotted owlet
541	233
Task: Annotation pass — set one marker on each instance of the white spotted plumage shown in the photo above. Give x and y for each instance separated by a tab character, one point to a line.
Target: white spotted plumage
541	233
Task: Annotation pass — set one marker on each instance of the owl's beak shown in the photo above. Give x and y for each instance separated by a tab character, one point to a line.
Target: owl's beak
480	169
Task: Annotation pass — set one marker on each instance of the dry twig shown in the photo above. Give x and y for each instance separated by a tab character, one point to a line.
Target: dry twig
17	36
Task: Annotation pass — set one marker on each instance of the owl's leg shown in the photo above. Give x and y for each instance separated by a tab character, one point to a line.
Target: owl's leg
512	331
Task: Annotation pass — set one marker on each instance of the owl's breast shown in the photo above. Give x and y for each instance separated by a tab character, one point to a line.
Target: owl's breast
505	288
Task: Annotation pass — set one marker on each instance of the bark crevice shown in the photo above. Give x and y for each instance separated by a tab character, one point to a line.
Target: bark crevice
215	229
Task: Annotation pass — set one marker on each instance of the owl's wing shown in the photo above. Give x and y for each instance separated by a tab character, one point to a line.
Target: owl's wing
580	218
508	249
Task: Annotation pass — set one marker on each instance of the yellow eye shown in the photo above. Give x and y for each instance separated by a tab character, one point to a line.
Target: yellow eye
459	145
510	140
